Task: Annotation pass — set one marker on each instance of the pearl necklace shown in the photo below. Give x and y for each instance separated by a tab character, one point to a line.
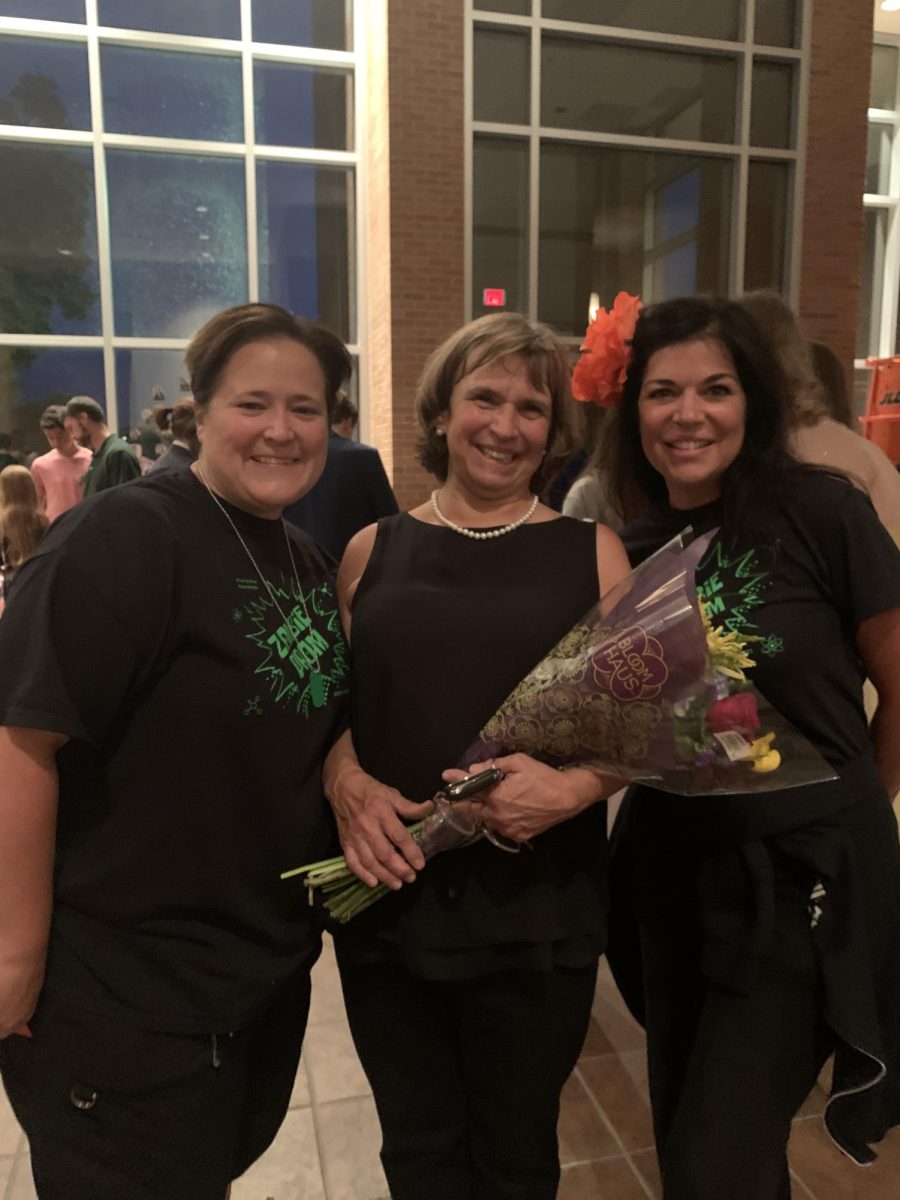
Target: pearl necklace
237	533
481	535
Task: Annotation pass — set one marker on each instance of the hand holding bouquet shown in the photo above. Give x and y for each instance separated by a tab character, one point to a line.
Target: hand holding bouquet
642	688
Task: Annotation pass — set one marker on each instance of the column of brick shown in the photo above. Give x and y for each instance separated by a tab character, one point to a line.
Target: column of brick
841	59
416	234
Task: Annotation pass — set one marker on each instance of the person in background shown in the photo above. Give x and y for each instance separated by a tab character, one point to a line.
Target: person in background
22	523
113	461
178	423
154	969
58	473
469	990
767	927
7	458
346	417
814	436
353	491
829	370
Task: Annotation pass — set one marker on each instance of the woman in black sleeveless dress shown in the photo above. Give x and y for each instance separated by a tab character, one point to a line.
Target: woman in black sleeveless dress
469	991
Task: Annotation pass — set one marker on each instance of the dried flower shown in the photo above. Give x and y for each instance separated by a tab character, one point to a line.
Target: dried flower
599	374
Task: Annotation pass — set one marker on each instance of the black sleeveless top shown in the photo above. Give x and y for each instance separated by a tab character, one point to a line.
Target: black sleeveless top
444	627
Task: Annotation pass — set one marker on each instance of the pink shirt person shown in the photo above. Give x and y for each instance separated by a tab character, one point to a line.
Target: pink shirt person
57	475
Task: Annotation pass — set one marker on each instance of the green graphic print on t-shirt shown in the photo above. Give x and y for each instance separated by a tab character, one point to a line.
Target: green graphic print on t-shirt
303	658
732	586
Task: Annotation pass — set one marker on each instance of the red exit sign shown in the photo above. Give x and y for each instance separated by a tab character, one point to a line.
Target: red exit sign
493	297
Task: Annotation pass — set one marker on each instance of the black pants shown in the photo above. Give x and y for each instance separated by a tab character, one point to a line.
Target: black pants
467	1076
728	1071
113	1112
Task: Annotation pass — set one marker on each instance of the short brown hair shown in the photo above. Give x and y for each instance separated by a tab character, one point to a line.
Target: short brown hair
486	340
223	335
53	417
87	405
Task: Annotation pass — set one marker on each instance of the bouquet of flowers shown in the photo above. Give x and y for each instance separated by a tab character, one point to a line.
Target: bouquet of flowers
643	688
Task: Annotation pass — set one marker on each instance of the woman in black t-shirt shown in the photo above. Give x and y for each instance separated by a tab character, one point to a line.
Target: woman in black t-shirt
154	971
754	935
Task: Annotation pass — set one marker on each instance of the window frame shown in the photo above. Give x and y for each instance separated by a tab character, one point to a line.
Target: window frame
745	51
95	35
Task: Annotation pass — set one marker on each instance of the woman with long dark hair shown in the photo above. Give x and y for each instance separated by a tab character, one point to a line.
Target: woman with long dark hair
767	927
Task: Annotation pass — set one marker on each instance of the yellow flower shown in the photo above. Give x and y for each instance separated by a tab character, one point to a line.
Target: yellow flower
727	651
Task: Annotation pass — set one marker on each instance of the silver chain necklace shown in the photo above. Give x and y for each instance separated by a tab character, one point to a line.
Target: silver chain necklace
262	579
481	535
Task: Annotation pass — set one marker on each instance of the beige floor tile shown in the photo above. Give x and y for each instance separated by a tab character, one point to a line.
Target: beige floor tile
648	1168
583	1134
611	1180
6	1165
596	1042
830	1175
289	1170
635	1063
10	1132
814	1104
613	1018
620	1098
21	1184
349	1140
334	1069
300	1097
327	1002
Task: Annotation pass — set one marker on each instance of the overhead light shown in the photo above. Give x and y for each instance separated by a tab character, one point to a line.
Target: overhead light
593	305
890	5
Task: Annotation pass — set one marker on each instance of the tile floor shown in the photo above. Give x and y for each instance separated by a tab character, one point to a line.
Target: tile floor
328	1146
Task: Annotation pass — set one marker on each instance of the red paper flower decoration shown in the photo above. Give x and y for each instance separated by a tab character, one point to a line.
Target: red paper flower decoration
599	374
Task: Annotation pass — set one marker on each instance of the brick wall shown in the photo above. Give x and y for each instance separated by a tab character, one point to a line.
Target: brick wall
415	177
835	172
416	232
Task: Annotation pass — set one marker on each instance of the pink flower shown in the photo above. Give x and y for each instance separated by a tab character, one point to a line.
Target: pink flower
599	374
737	712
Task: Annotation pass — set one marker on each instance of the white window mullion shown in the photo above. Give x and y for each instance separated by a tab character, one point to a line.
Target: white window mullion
250	149
104	245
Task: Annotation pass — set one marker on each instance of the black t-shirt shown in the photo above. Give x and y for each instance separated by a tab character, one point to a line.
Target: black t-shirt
826	566
198	726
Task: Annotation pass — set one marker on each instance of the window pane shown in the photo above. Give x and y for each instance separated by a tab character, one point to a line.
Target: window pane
48	240
202	18
777	23
772	114
304	228
179	240
878	159
500	222
883	87
649	223
521	8
46	83
767	216
719	19
325	24
44	10
162	93
871	276
502	76
303	106
623	89
31	377
138	373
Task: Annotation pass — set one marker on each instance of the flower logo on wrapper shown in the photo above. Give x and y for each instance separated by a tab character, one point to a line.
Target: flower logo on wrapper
599	374
631	665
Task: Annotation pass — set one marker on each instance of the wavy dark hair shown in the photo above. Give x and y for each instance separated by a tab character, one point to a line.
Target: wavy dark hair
764	464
